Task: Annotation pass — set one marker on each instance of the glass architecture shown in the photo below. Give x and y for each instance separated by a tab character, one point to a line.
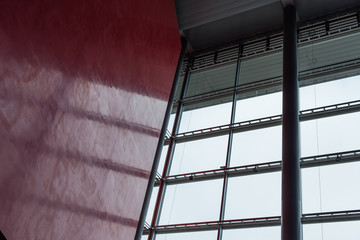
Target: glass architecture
219	176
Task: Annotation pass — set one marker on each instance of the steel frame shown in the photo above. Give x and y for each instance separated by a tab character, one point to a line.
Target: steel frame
167	164
334	27
160	145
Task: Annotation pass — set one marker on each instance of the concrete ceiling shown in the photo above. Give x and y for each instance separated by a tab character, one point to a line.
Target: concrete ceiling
206	23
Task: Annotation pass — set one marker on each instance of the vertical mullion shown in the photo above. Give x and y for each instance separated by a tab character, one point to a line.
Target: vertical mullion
169	155
228	153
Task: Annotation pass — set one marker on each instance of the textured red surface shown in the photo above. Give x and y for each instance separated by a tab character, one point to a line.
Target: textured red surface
83	91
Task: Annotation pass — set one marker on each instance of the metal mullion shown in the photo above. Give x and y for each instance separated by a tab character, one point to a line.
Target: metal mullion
169	155
305	162
309	218
271	121
229	147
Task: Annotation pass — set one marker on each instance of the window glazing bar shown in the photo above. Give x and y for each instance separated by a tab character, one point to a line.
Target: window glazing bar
229	147
275	166
304	115
310	218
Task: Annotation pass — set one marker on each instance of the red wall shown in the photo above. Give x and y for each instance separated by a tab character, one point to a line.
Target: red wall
83	92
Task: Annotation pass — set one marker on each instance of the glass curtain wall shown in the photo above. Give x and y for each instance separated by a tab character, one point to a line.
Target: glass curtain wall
220	172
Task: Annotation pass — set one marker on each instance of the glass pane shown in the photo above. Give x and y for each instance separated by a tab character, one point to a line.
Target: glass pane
308	138
264	233
253	196
329	93
211	79
330	135
152	205
192	202
307	97
162	159
199	155
332	231
343	90
340	133
258	146
205	117
259	107
144	237
203	235
331	188
171	124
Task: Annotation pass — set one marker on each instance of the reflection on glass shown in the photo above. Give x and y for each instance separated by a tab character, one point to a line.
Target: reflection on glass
205	117
258	146
331	188
152	205
332	231
259	107
264	233
192	202
199	155
203	235
253	196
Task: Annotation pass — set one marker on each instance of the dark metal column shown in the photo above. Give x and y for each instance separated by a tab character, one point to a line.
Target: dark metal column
291	228
228	154
160	145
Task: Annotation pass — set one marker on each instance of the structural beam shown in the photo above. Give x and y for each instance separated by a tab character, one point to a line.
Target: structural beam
160	145
291	227
169	155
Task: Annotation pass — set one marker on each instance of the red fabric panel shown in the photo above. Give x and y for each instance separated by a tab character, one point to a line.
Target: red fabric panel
83	91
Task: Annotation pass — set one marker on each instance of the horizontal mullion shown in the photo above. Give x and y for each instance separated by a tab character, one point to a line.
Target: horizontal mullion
226	224
305	162
304	115
324	217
